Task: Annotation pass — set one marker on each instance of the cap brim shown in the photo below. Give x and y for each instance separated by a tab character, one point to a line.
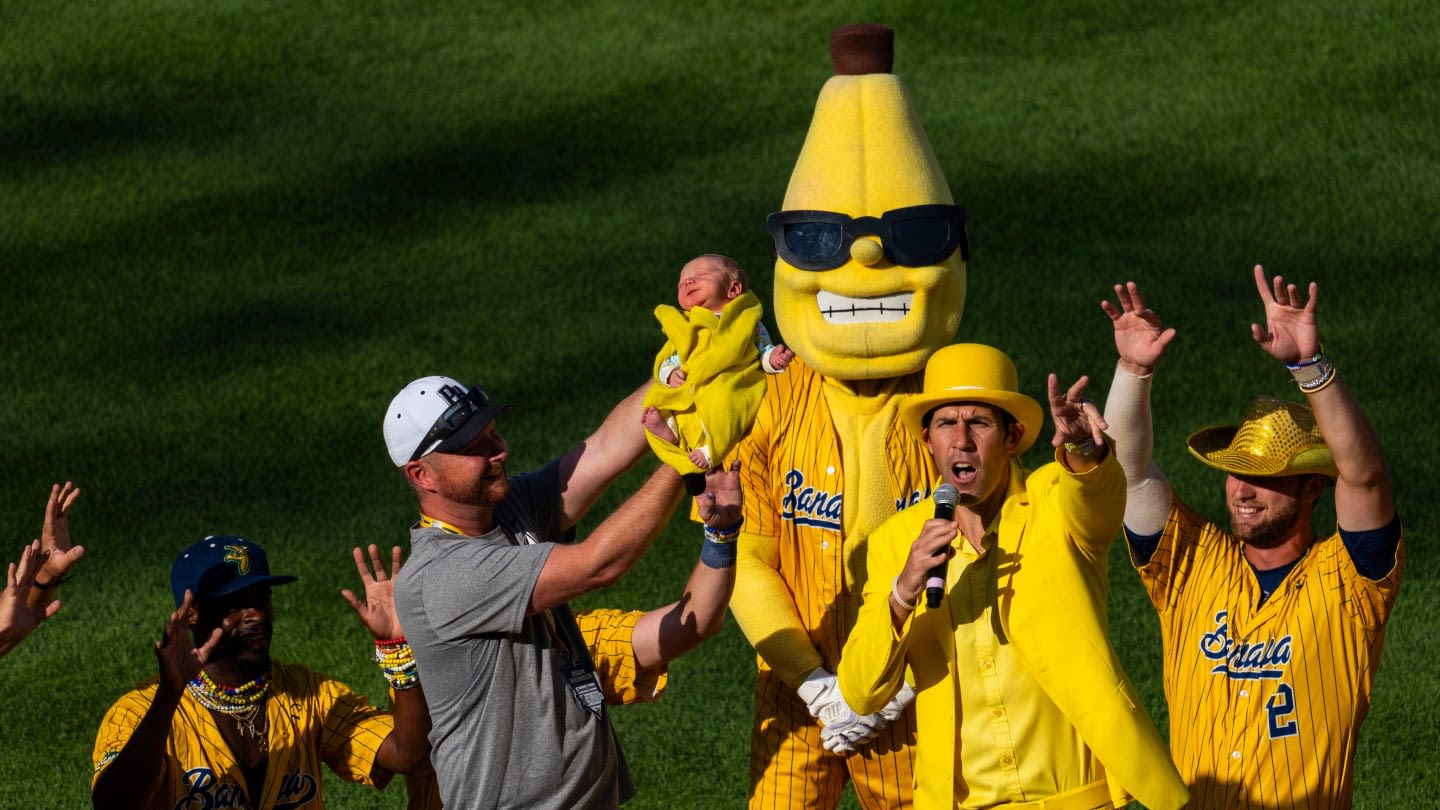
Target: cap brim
472	428
235	586
240	585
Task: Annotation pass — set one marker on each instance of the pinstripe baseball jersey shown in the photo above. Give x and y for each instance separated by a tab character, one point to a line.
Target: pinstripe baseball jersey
799	490
311	719
820	469
1265	702
609	635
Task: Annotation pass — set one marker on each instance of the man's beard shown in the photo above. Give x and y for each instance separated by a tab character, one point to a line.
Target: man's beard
483	492
1271	531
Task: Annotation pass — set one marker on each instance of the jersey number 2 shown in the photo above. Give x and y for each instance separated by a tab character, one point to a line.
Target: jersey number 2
1280	706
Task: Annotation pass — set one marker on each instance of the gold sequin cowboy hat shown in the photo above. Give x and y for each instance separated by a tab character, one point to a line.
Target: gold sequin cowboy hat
1274	438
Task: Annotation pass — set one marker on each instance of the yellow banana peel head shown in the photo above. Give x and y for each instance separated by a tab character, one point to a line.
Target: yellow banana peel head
869	318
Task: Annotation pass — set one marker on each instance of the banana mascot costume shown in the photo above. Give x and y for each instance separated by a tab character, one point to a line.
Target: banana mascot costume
869	282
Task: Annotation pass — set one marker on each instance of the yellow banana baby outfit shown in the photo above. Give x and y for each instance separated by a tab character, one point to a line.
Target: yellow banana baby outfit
715	406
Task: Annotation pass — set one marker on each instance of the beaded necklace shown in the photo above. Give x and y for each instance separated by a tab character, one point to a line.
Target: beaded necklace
243	702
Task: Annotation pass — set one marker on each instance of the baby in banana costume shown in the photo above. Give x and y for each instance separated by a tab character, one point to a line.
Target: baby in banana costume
708	383
869	282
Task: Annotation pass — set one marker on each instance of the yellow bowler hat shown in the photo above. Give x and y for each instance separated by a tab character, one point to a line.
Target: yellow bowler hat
973	372
1274	438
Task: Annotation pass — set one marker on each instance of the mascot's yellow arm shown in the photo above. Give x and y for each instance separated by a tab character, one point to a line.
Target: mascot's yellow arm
768	615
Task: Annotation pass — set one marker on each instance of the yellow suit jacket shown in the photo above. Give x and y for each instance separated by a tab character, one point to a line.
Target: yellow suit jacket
1055	532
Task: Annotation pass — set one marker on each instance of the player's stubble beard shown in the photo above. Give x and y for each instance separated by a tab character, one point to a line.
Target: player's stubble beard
1270	532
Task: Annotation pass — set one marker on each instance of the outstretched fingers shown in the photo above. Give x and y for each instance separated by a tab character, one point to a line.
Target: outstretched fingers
1289	332
363	570
376	610
1074	414
202	654
32	559
178	657
55	531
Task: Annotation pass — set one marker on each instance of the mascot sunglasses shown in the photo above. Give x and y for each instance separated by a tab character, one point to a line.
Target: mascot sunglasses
912	237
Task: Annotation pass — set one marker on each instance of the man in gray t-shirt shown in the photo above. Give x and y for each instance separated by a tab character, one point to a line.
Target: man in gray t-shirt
518	709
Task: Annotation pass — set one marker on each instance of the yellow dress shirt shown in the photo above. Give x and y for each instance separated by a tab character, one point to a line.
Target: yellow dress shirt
1001	705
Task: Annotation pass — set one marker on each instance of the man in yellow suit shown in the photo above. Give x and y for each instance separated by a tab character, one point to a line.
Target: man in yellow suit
869	280
1021	699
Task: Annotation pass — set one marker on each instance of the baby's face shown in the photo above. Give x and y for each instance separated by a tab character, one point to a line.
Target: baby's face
703	284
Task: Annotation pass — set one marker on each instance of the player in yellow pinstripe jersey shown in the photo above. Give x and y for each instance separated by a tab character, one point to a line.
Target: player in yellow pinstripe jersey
1272	635
193	738
330	724
869	281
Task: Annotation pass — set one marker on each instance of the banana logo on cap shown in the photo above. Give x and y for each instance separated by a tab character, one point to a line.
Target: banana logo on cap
871	248
238	556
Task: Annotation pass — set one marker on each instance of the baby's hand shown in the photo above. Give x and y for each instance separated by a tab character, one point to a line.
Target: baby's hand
781	357
677	378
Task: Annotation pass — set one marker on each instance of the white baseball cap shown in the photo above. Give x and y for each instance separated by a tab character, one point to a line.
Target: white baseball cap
436	413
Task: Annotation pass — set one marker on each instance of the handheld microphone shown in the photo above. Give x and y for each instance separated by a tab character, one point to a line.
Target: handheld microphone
946	496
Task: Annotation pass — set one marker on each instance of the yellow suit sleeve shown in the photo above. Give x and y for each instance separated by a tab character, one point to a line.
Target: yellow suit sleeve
873	664
1092	504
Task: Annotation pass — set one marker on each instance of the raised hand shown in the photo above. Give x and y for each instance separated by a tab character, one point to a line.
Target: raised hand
1290	334
55	533
1138	337
19	619
176	653
721	506
377	612
1076	418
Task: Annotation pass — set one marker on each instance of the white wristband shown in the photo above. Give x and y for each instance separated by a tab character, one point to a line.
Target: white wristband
900	600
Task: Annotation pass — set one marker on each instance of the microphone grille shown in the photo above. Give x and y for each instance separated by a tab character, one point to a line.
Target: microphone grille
947	494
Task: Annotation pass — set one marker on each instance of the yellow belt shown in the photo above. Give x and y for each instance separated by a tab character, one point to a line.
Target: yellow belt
1091	797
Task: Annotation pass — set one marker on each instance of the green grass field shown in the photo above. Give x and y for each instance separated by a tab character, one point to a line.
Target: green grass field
230	231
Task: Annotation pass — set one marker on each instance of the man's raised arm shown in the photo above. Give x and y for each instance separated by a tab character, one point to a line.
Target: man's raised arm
1140	342
593	465
1363	497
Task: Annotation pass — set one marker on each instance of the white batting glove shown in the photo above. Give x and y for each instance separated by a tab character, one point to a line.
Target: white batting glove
867	726
844	738
821	693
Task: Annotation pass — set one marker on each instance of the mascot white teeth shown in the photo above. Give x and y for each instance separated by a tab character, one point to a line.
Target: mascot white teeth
869	282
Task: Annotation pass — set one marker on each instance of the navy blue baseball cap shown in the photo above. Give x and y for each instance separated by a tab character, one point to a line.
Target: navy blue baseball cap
221	565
